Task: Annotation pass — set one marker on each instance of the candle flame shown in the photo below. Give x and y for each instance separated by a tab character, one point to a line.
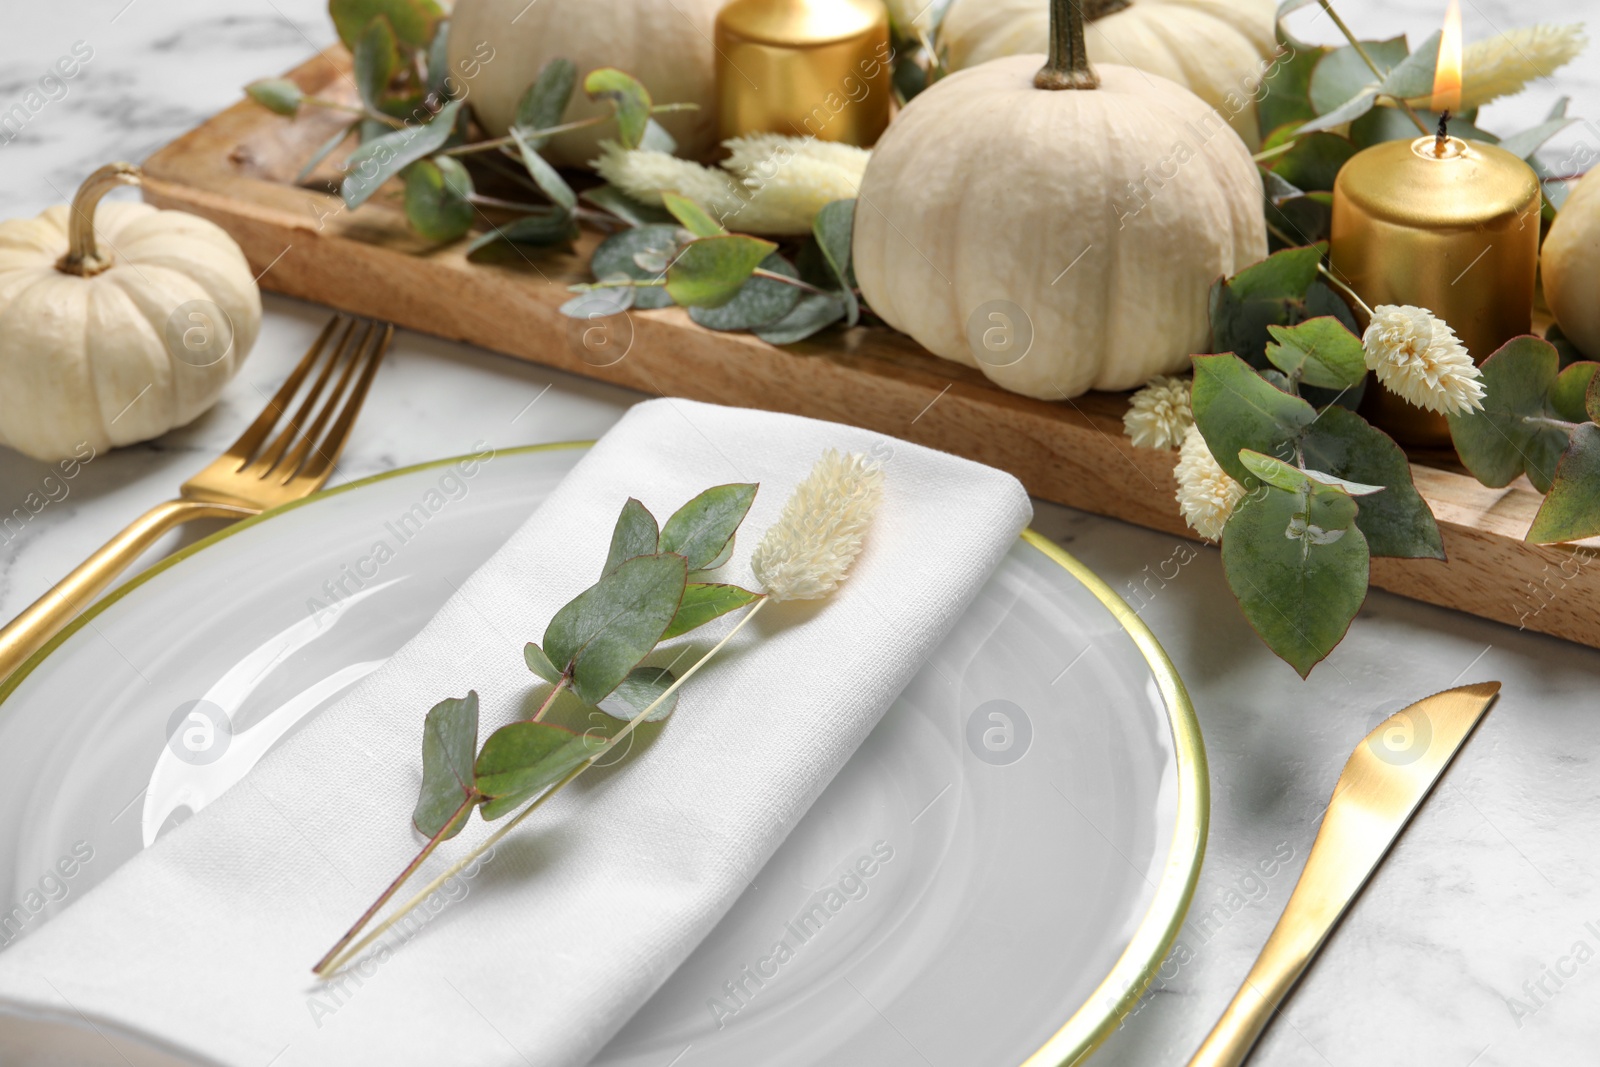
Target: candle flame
1447	70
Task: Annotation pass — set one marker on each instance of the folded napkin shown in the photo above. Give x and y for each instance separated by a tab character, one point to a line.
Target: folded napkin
201	945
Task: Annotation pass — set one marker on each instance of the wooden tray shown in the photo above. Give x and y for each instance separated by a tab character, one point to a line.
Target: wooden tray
236	170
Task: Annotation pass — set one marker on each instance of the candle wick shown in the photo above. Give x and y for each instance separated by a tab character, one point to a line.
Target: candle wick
1443	135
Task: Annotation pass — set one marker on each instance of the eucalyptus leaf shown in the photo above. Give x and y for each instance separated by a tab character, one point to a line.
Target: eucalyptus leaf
1314	161
439	81
702	528
1319	352
1412	77
1349	111
414	21
605	631
1526	142
1392	124
760	301
619	255
1299	567
600	303
1511	435
437	204
691	215
1571	511
544	102
1279	474
1309	218
1396	522
376	57
705	601
381	158
1569	396
710	271
553	226
813	313
634	535
279	95
1272	292
638	691
630	100
1286	90
1342	74
540	664
325	150
545	176
834	228
449	739
1236	410
657	139
523	758
633	212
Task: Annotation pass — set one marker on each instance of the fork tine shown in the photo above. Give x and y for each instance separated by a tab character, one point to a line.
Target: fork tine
252	437
320	465
265	463
290	465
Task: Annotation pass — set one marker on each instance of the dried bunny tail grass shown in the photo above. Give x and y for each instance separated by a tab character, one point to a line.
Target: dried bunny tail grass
758	158
645	174
809	550
1416	355
1504	64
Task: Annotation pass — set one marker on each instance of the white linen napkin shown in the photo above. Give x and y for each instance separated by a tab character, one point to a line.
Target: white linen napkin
202	944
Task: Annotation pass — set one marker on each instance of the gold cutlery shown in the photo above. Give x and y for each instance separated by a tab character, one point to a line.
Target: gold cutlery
260	470
1381	788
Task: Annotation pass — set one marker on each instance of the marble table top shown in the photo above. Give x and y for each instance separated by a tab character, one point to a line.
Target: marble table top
1475	944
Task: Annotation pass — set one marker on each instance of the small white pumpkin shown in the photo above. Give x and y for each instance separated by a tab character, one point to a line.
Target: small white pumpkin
110	330
1570	264
665	44
1217	49
1058	230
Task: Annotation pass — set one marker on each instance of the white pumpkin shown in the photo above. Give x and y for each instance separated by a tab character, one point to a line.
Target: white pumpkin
665	44
1570	264
110	331
1059	239
1217	49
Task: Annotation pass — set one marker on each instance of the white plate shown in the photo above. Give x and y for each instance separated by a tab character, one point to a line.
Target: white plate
1032	811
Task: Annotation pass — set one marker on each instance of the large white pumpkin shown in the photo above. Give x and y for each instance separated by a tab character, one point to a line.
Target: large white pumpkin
665	44
131	346
1217	49
1570	264
1059	240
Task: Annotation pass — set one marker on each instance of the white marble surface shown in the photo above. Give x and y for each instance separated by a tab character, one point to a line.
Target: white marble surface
1477	943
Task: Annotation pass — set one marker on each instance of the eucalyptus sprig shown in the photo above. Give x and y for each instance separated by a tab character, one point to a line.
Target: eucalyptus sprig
653	589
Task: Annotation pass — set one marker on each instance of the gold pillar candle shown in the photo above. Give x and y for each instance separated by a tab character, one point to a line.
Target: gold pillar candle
804	68
1448	225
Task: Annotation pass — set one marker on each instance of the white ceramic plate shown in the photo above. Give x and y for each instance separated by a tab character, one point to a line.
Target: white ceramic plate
990	880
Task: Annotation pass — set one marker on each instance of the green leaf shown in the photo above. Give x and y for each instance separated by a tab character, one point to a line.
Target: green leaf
449	738
702	528
1397	521
692	215
381	158
1391	124
376	57
630	99
703	602
621	254
437	204
1508	437
1571	511
722	559
1273	291
1525	143
638	691
1591	401
414	21
1236	410
540	664
1308	218
1286	91
1412	77
1350	111
633	212
605	631
279	95
1342	74
1319	352
545	101
814	312
544	175
439	81
710	271
834	230
1275	472
1314	161
553	226
657	139
523	758
760	301
324	151
1569	396
1298	566
635	535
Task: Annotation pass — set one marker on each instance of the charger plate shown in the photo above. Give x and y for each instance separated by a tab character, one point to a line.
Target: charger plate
993	878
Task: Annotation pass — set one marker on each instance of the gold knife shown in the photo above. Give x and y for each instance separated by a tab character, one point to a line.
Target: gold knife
1380	790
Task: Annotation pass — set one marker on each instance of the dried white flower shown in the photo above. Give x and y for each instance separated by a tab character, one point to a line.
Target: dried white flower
808	551
1158	414
1417	357
1504	64
769	184
1207	494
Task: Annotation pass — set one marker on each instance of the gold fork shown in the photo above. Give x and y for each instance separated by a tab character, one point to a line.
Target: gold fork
260	470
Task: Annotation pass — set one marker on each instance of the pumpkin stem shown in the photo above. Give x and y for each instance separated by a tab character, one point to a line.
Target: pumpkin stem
84	257
1068	65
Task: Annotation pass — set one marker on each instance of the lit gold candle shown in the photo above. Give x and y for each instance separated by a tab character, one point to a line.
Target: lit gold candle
804	68
1443	224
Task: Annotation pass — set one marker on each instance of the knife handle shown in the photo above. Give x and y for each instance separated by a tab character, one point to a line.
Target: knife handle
1294	941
